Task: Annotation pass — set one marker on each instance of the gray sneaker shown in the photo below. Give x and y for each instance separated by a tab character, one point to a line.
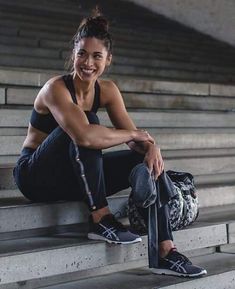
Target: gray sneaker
178	265
111	231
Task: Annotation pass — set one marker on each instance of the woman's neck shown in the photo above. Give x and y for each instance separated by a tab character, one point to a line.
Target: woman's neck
83	88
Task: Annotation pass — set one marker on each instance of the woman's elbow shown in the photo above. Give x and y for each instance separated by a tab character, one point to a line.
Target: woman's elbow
82	141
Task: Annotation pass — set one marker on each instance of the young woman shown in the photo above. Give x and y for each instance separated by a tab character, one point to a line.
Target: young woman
62	153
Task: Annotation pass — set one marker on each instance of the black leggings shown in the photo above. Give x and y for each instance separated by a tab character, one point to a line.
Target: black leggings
51	173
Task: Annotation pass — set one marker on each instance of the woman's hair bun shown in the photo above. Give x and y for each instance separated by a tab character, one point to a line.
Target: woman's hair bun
96	20
97	26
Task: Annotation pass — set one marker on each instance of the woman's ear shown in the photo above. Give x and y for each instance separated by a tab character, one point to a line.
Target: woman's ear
109	59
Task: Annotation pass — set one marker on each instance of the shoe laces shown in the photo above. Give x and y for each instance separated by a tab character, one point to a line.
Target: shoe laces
112	221
179	256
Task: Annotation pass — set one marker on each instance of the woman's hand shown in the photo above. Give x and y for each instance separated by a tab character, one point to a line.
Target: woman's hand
154	161
142	136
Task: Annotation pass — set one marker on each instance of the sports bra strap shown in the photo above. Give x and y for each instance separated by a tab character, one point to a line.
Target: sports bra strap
68	80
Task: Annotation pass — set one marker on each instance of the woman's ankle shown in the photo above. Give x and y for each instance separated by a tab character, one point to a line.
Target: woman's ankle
165	247
99	214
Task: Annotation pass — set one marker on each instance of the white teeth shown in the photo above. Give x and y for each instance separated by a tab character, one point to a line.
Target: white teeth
88	71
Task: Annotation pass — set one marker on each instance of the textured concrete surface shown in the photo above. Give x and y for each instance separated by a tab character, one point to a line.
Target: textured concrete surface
126	84
20	118
217	277
20	214
11	145
21	96
2	95
22	77
216	196
231	231
206	169
212	17
222	90
68	250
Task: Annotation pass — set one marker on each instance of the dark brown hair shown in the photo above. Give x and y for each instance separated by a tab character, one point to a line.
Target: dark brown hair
94	26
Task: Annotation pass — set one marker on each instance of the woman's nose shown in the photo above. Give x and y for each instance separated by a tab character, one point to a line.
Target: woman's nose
88	60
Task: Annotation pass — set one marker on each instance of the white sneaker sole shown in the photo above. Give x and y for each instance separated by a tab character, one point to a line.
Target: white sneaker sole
93	236
170	272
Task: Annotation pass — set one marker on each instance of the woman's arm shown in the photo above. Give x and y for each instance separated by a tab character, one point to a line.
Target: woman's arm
74	121
116	109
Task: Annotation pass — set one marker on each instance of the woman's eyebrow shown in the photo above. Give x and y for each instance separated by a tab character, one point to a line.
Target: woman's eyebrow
81	49
84	50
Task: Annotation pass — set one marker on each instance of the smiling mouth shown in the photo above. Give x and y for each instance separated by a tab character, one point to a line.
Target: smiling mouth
87	71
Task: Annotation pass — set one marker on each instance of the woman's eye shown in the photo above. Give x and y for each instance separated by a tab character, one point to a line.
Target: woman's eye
80	53
98	56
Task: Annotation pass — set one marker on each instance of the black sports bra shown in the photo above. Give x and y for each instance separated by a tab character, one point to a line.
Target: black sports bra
47	122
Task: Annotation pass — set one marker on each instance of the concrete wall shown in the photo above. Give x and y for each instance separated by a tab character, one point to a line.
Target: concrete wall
213	17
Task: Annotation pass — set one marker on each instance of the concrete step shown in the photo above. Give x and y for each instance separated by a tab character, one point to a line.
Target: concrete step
171	74
216	214
162	99
208	165
170	101
22	77
29	78
216	196
209	196
10	194
22	131
178	48
171	64
206	179
159	53
214	169
15	210
118	60
39	8
27	20
43	63
152	119
179	158
19	41
119	50
26	96
5	131
219	277
11	145
121	10
144	118
118	69
20	214
175	39
29	51
67	250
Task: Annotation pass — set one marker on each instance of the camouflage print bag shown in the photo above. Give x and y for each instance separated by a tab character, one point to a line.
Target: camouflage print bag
183	207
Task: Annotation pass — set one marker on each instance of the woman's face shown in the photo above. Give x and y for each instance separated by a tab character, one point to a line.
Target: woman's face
90	58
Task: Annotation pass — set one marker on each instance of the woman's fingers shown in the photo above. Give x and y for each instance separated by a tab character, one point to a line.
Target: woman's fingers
143	135
158	166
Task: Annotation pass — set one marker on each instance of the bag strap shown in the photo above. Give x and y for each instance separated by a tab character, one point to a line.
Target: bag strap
152	236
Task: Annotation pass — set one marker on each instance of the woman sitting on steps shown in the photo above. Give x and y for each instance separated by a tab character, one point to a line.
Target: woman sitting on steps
64	127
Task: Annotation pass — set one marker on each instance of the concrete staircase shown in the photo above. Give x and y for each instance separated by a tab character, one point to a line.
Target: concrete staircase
178	84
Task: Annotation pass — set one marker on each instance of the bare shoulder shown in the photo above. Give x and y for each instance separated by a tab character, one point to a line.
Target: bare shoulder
54	84
53	88
109	91
50	93
107	85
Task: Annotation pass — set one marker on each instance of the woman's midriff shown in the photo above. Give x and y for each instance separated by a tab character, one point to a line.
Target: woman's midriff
34	138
